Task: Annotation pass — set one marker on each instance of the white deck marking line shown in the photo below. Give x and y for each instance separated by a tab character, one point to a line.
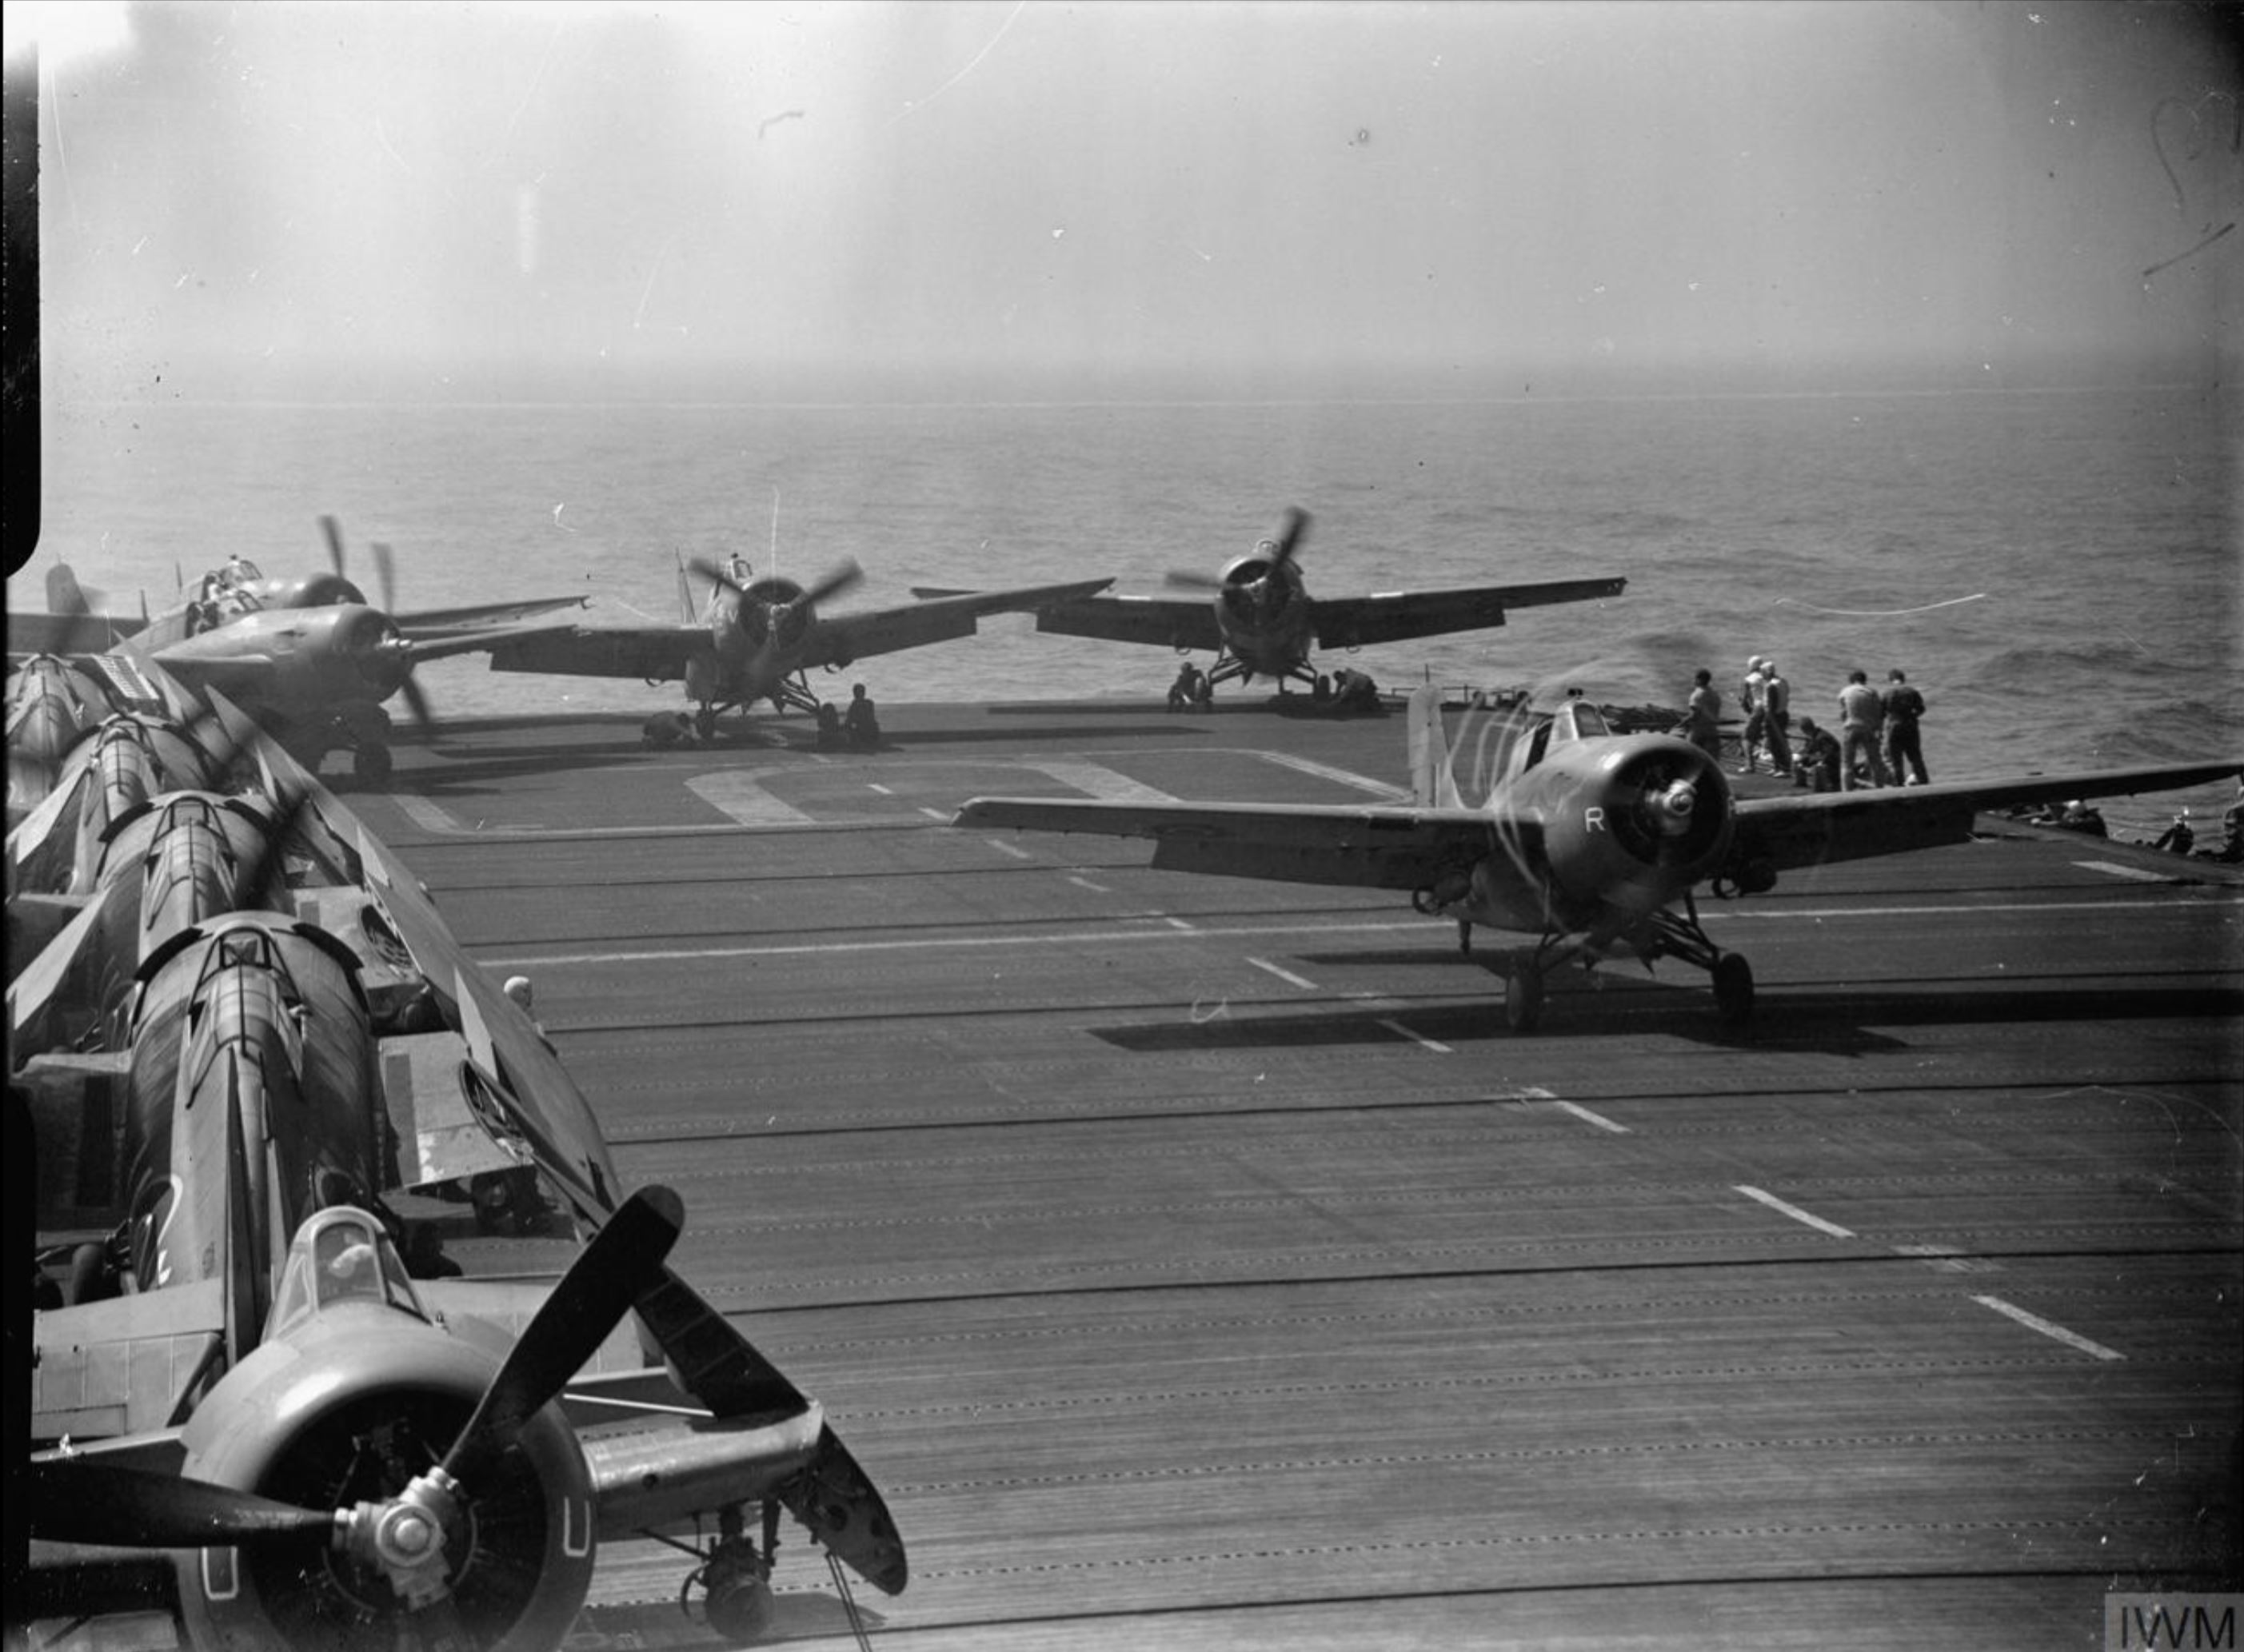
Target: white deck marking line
1381	789
1095	779
1178	923
1434	1044
2117	871
1095	888
739	795
2035	1322
942	815
1012	849
1795	1212
1286	975
874	785
1068	938
423	812
1372	1001
1597	1119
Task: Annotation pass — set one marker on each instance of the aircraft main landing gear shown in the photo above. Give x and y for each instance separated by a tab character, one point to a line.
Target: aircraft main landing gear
737	1578
1682	937
1734	988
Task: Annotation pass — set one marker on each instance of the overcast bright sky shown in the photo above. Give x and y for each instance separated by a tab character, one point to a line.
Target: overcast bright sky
240	194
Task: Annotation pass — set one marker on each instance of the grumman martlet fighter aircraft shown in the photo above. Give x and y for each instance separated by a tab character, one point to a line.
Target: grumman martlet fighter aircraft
754	638
260	1391
1587	841
307	657
1263	621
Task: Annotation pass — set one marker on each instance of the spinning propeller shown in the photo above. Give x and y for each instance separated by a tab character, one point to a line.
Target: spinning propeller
1282	551
781	619
385	659
84	1501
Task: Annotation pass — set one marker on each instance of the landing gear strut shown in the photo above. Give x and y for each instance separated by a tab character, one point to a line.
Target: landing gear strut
1684	938
736	1577
1523	998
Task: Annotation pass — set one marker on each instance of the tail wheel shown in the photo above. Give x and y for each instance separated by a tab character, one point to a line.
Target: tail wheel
1734	988
1523	1000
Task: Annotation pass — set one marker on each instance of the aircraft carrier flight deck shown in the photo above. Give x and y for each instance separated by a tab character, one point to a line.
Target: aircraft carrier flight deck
1200	1262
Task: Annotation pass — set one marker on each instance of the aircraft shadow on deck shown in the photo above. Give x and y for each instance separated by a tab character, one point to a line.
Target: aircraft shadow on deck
1833	1021
796	1615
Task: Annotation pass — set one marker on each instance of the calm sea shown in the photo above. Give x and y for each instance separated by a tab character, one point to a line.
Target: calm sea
2058	570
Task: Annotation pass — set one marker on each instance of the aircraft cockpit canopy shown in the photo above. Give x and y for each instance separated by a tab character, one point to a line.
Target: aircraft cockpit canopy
1577	720
341	1254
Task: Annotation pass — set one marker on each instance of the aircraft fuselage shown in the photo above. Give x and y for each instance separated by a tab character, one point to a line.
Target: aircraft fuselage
1264	612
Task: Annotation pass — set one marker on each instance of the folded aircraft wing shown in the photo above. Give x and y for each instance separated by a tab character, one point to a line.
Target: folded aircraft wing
64	634
1391	616
524	1093
1164	621
650	653
1813	827
1367	847
841	638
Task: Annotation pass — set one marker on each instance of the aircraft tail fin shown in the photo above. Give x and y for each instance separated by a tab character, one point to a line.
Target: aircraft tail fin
64	595
1433	783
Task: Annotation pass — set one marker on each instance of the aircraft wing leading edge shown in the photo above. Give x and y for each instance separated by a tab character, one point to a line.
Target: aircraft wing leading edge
1161	622
1394	617
1374	849
843	637
1814	827
1399	848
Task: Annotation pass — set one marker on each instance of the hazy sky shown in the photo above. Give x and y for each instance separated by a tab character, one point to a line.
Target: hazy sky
245	195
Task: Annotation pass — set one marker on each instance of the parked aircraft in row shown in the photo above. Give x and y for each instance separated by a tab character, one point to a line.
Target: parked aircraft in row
262	1393
1594	844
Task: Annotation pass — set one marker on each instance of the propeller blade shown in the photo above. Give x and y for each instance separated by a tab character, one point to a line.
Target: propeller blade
1290	537
623	1260
385	568
333	532
839	580
81	1501
715	576
416	701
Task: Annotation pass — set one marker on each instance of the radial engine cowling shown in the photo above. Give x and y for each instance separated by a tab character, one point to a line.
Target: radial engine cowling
329	1421
774	614
1647	820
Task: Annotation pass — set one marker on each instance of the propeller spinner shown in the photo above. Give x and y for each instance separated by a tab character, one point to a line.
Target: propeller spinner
406	1534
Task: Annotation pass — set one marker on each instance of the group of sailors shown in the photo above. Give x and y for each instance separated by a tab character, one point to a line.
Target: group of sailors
2179	838
1346	690
1878	742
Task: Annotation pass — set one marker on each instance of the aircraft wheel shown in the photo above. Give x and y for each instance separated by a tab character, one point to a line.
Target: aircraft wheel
740	1608
1523	1000
370	766
1734	988
368	725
